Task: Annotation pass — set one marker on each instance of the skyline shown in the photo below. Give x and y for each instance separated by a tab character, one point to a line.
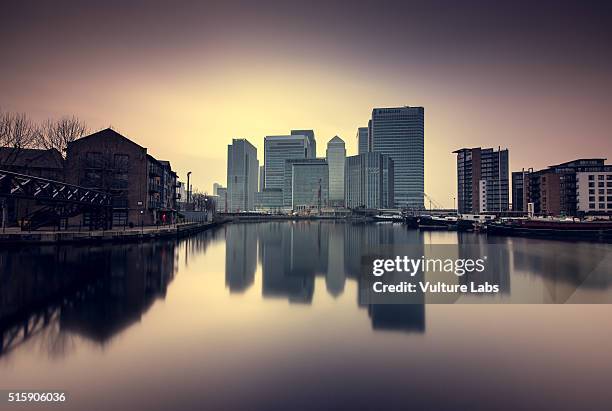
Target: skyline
185	83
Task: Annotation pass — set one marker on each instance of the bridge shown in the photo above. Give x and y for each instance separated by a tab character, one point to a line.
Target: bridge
56	201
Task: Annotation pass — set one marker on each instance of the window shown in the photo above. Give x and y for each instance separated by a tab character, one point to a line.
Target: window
120	181
121	162
592	198
120	218
602	205
600	177
601	191
591	177
609	177
94	160
591	205
591	184
600	184
592	191
609	183
93	178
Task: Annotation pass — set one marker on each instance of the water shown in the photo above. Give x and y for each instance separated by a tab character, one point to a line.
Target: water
269	316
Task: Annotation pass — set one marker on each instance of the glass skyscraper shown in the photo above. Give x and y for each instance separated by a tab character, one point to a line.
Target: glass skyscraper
242	170
362	140
278	149
312	142
336	159
369	181
306	184
399	132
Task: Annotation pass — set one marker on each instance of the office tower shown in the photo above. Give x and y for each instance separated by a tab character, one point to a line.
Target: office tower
362	140
312	142
399	133
369	181
261	178
216	187
482	180
520	190
269	199
336	159
278	149
306	184
222	200
242	170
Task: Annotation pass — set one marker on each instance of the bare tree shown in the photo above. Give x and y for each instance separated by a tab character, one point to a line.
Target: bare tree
58	133
17	132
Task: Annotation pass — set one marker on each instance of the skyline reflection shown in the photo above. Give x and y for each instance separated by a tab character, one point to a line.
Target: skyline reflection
97	292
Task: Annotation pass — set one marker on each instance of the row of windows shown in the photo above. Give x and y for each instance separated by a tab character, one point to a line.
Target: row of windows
96	160
600	177
602	206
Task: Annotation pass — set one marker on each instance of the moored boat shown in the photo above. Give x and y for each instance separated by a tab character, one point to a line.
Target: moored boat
437	223
558	229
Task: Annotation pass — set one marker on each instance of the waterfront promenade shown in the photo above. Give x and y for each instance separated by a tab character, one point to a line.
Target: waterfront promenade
16	236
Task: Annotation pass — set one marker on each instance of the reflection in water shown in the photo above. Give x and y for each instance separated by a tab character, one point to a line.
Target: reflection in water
95	292
275	312
240	257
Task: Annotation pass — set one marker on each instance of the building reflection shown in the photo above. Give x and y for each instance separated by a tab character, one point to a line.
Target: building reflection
497	265
95	292
293	254
240	256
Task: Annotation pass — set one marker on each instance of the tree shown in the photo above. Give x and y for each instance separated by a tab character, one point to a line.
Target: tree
56	134
17	132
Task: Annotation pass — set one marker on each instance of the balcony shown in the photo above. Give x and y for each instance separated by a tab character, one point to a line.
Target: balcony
154	187
154	171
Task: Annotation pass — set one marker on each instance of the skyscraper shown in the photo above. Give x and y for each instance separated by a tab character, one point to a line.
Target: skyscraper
520	189
312	142
362	140
306	184
336	159
242	170
369	181
277	149
262	178
399	133
482	180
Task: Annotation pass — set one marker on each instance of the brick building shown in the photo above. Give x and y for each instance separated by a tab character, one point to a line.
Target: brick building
143	188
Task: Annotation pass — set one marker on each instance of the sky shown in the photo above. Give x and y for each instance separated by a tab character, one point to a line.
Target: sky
184	78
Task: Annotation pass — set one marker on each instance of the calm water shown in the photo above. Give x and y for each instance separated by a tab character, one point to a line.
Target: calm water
269	316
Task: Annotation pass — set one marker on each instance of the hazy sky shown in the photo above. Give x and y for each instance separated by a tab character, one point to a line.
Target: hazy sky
183	79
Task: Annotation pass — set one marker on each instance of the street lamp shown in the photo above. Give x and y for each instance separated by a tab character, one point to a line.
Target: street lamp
188	194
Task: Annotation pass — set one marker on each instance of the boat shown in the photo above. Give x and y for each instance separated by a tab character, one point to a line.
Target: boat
473	222
426	222
550	228
411	221
395	218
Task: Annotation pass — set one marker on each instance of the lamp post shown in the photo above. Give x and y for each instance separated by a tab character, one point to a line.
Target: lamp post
188	193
